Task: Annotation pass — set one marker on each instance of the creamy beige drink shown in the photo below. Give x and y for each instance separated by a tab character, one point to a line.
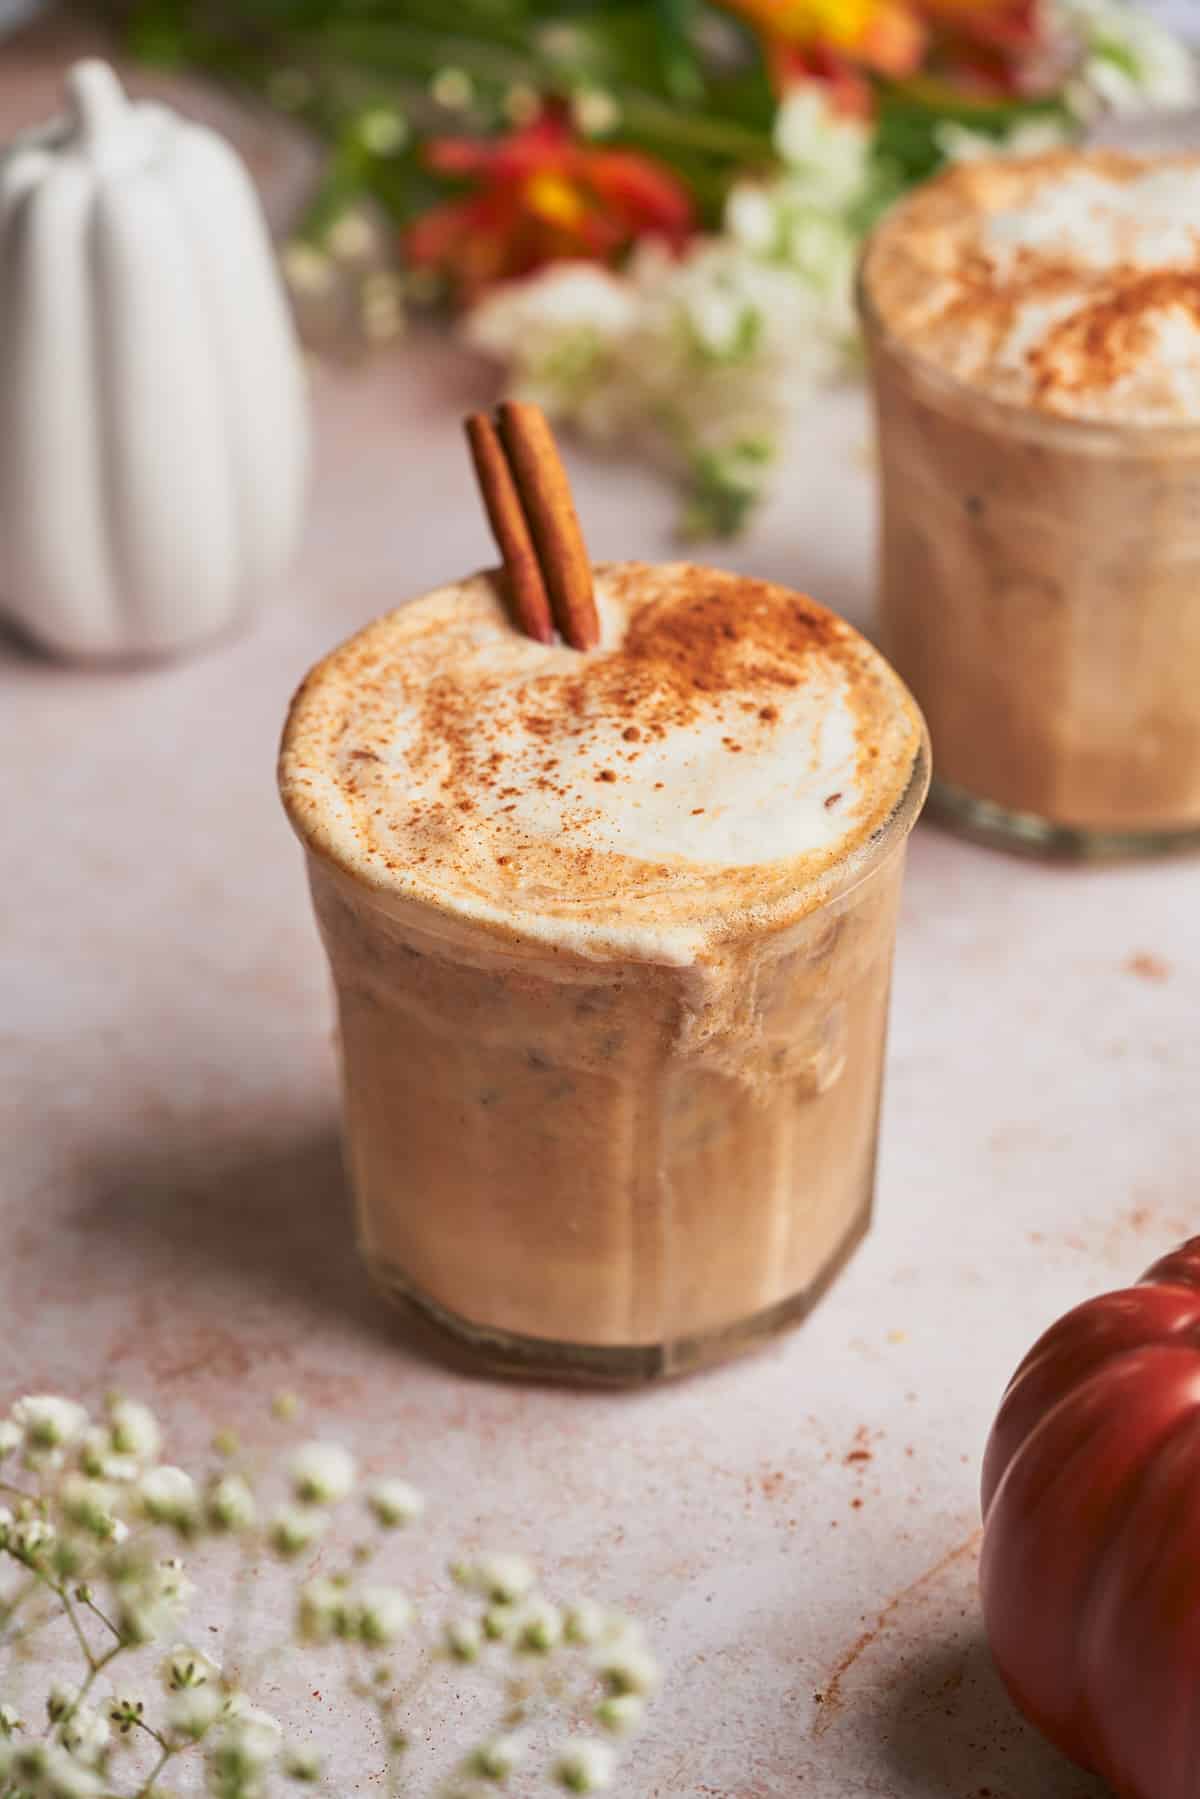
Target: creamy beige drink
611	935
1034	334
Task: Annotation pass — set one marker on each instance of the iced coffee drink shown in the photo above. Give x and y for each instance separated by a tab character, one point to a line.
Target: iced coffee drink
1034	337
611	936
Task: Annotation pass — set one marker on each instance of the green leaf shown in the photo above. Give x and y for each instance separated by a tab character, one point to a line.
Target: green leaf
679	59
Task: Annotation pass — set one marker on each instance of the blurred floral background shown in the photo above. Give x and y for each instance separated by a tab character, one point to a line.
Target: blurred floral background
647	212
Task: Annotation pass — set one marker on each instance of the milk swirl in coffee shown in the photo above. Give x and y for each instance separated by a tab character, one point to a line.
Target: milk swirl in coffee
611	935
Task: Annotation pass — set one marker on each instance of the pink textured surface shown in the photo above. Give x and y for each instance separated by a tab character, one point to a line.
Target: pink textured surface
173	1219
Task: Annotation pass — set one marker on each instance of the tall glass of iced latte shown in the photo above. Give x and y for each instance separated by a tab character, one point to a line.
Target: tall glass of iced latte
1034	336
611	936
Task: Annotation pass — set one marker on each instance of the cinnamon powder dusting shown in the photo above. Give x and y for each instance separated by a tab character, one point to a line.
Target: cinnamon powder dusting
1101	320
477	745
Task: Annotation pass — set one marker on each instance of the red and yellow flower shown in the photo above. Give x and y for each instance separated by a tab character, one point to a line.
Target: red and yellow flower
541	195
844	43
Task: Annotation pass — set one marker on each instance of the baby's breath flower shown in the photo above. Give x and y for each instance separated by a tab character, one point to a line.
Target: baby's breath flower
384	1613
32	1538
47	1421
594	111
464	1639
67	1557
241	1749
627	1667
302	1764
98	1458
125	1712
497	1758
621	1713
10	1437
186	1667
500	1623
151	1596
502	1578
193	1711
584	1622
539	1627
10	1721
453	89
752	218
231	1504
43	1461
830	149
394	1503
323	1611
85	1733
322	1473
351	236
586	1766
59	1700
89	1504
382	130
134	1430
49	1771
168	1496
238	1706
295	1528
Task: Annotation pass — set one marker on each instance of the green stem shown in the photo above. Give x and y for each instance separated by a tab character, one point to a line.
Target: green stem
157	1735
97	1668
651	118
156	1770
420	53
77	1627
104	1619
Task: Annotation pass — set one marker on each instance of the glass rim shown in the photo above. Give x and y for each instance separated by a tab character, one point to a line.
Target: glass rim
786	908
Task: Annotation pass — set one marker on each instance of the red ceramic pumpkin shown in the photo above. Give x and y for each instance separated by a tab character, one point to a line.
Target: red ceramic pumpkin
1091	1550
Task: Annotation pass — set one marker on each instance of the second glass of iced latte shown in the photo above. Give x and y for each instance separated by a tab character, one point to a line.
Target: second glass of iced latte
611	936
1033	328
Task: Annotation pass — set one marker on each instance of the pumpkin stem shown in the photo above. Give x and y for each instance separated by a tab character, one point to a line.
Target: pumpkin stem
95	97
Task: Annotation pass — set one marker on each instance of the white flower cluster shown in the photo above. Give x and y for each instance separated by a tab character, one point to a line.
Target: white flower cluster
329	1610
83	1486
700	362
1132	63
93	1510
516	1618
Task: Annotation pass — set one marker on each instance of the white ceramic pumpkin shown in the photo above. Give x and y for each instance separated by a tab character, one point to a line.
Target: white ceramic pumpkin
153	416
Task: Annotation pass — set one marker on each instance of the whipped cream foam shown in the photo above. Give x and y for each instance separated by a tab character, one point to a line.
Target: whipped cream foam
1068	282
728	745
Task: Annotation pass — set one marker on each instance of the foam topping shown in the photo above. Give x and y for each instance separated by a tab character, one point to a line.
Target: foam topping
1070	282
728	743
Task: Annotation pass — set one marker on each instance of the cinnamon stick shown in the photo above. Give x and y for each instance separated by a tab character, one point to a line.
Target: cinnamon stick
510	528
549	509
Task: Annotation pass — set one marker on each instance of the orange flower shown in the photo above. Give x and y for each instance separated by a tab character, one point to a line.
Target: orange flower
1015	25
843	43
836	42
540	196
